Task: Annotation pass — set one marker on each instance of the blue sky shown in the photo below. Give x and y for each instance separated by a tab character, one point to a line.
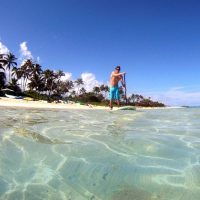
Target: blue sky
157	42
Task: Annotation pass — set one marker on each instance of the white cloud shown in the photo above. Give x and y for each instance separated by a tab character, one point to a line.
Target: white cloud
176	96
67	77
90	81
25	53
38	59
3	49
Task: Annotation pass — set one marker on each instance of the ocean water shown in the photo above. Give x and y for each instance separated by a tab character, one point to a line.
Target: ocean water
99	155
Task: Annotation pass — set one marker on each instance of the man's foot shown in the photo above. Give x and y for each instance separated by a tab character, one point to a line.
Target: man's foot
111	107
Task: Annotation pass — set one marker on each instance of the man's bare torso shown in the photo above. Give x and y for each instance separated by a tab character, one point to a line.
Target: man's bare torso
114	79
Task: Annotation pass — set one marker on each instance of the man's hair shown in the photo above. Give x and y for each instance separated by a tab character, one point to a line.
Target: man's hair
118	68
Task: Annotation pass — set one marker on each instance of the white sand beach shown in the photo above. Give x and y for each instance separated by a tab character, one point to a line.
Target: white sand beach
8	102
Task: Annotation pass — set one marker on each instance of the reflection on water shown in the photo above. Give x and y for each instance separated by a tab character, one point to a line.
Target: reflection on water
99	155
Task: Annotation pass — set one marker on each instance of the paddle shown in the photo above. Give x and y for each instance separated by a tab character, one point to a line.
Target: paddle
125	87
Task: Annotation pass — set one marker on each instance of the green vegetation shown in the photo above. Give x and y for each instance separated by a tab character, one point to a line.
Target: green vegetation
31	80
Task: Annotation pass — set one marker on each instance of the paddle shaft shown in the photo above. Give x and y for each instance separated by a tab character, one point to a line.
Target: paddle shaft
125	87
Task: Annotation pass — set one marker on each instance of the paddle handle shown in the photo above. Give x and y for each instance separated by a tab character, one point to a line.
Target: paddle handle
125	87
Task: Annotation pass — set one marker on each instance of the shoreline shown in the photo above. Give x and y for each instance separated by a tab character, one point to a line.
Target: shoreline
20	103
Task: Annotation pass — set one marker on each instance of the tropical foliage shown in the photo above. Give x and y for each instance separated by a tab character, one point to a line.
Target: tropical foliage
29	79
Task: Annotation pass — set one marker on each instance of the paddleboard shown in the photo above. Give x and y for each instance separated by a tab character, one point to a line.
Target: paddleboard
125	108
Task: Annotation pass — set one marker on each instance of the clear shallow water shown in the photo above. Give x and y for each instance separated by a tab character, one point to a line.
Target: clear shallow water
77	155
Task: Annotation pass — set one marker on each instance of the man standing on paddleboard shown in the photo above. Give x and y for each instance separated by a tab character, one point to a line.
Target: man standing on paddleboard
115	77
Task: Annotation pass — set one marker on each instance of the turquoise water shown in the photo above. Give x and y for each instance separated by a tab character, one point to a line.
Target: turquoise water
99	155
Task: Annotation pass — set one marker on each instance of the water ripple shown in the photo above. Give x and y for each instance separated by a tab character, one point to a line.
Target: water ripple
98	155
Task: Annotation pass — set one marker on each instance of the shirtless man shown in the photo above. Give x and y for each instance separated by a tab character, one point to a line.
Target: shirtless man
115	77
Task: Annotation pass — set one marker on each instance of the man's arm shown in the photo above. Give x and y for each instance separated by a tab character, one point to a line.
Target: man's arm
118	74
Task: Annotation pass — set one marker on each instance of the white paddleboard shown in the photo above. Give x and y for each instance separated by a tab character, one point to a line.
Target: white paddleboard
125	108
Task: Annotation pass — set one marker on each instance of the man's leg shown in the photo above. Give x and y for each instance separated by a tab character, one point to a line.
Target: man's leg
117	97
111	106
111	97
118	103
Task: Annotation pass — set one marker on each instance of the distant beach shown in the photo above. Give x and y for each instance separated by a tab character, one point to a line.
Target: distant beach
44	104
8	102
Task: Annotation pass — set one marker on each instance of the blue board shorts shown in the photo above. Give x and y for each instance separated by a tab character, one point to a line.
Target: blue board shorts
114	93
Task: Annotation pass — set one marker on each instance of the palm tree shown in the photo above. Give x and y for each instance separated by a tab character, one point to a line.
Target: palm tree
69	85
73	93
14	85
2	80
83	90
132	98
60	73
136	98
96	90
36	69
104	89
35	77
2	71
79	82
10	62
17	74
25	72
36	82
61	88
3	61
1	67
49	81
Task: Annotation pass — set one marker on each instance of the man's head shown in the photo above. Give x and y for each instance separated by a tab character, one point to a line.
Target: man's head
118	68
